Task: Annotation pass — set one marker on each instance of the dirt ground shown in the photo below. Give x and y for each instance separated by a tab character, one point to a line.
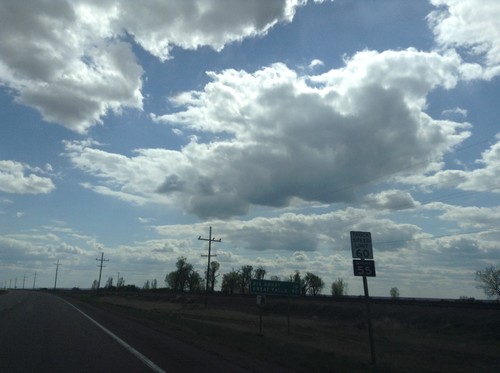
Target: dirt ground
323	335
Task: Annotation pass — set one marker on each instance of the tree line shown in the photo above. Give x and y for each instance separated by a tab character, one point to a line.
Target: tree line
237	281
185	278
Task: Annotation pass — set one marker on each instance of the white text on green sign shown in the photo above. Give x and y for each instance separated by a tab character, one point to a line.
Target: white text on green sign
274	287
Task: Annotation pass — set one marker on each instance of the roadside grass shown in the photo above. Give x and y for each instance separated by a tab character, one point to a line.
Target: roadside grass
325	336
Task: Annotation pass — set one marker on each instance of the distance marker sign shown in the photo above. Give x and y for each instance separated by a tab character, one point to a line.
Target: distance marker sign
361	245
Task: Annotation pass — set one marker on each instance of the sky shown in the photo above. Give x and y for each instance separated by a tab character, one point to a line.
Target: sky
130	128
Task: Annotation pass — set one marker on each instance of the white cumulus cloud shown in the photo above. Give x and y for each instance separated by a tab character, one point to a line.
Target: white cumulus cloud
19	178
471	26
71	60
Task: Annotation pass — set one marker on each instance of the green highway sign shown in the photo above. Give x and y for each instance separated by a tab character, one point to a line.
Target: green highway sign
274	287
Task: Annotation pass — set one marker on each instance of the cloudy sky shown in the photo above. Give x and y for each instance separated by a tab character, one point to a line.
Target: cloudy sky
130	128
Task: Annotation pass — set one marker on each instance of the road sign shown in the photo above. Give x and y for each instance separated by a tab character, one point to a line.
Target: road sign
274	287
361	245
364	267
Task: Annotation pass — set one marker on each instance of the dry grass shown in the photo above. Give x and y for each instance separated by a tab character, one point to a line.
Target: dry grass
328	335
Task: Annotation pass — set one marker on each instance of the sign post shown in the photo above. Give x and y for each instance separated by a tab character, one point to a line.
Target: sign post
268	287
362	248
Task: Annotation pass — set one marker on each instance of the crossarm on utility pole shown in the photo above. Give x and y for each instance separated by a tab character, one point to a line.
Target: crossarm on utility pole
210	240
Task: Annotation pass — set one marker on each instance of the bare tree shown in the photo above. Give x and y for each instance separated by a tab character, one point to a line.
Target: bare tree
194	281
394	293
260	273
109	283
230	282
339	287
309	284
245	276
185	277
295	277
314	283
120	283
489	281
212	275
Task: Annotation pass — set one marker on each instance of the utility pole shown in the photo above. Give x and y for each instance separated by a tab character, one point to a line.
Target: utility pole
100	270
34	280
15	284
57	270
210	240
24	280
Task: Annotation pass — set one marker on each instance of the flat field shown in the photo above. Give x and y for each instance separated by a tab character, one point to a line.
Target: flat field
323	334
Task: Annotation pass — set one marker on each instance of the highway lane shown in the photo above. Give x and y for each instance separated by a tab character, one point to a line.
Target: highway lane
41	333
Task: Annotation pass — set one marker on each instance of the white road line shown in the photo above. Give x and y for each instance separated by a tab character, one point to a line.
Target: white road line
137	354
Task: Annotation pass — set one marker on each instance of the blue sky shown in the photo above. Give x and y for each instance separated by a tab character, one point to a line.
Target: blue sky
131	128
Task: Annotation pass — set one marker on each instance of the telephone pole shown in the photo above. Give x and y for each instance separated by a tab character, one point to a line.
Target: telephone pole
100	270
210	240
57	270
24	280
34	280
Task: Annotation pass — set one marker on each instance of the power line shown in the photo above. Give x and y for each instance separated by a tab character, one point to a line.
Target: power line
100	270
210	240
57	270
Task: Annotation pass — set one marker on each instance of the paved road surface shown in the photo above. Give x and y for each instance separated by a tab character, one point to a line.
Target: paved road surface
40	332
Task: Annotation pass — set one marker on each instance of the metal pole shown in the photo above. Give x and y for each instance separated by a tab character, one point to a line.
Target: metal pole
260	319
369	319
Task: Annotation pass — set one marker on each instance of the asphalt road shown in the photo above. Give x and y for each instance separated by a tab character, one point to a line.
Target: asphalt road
40	332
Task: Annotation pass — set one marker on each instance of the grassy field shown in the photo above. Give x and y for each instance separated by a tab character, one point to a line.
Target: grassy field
322	335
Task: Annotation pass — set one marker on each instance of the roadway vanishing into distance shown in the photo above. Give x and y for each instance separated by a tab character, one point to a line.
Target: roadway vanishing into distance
40	332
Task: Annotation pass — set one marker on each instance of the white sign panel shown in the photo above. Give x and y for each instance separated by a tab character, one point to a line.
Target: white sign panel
361	245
